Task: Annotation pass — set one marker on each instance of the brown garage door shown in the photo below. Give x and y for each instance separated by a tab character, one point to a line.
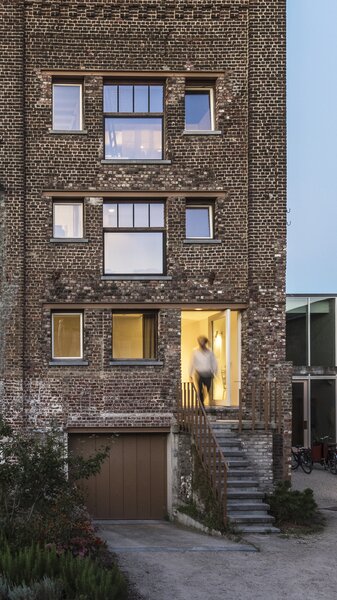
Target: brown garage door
132	480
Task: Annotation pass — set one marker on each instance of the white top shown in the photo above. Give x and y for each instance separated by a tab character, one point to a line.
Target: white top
203	362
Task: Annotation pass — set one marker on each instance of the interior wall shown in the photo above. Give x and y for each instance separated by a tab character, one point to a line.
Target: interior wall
190	331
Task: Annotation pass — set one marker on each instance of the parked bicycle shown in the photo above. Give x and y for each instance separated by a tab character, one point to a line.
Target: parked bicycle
301	457
325	454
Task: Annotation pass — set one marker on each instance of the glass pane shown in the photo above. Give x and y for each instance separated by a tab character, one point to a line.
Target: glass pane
296	331
323	410
156	98
298	414
125	98
157	215
141	98
110	98
133	138
68	220
109	215
322	332
198	223
67	107
67	336
127	336
198	110
141	215
133	253
125	215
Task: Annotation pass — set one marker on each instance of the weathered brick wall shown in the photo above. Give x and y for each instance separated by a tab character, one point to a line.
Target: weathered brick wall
244	167
259	447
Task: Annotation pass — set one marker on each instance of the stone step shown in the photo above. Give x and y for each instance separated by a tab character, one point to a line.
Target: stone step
250	517
244	494
263	529
230	452
241	472
239	462
242	483
247	505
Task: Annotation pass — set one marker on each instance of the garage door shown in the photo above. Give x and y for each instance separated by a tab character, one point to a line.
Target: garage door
132	480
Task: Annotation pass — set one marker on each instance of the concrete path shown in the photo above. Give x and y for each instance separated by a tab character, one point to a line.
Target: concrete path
165	562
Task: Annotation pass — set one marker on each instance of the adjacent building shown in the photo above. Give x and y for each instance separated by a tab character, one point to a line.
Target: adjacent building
142	203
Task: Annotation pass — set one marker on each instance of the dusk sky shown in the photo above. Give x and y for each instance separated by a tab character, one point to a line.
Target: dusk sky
312	146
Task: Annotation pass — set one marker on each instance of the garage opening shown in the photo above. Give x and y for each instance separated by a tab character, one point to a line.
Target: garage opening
132	483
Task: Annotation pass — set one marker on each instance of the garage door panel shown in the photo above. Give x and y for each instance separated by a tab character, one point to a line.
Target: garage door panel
144	477
116	495
158	479
102	485
130	476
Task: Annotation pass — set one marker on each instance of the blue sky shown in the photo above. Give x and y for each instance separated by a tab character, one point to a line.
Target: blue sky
312	146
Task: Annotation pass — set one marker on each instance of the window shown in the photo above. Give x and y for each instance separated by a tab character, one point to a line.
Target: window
134	336
68	220
199	221
134	238
67	107
67	335
133	117
199	109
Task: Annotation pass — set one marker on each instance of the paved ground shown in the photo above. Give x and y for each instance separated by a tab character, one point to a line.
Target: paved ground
165	562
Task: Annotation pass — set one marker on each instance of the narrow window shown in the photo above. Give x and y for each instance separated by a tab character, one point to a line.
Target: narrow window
67	335
134	336
67	107
199	109
68	220
133	116
134	238
199	221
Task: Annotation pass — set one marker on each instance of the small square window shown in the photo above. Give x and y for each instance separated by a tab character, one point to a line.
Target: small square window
199	221
67	336
67	107
134	336
199	109
68	220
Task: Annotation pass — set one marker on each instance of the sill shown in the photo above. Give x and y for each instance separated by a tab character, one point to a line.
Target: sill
136	363
68	363
68	131
69	240
201	241
136	277
206	132
135	161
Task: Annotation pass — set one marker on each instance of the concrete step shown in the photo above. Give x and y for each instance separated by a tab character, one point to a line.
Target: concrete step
247	505
241	472
242	483
244	494
250	517
263	529
228	441
229	453
237	462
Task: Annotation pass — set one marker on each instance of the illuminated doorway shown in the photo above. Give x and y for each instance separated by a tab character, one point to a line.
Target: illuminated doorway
223	329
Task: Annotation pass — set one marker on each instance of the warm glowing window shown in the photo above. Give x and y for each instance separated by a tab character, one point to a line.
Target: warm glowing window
68	219
199	109
133	115
67	107
67	335
134	238
134	336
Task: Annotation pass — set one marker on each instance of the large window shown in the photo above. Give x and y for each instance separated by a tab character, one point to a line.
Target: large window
134	238
199	109
67	107
133	116
134	336
68	220
296	330
199	221
67	335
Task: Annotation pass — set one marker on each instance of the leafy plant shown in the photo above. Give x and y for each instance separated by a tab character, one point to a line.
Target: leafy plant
292	506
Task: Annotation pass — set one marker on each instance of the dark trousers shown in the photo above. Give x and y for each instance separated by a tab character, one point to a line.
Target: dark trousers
203	380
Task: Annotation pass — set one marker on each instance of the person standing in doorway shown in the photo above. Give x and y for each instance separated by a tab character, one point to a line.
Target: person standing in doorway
203	367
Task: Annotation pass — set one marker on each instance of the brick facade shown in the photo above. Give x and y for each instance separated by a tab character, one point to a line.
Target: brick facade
241	43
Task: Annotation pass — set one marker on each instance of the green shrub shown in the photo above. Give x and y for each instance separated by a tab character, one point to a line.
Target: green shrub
292	506
25	571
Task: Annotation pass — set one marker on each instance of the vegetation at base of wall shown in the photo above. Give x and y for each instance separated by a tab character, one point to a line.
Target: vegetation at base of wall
39	573
294	511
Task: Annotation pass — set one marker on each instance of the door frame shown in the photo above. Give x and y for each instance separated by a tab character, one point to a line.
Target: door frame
306	412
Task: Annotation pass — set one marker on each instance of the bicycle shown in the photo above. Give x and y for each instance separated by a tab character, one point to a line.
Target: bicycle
301	457
327	454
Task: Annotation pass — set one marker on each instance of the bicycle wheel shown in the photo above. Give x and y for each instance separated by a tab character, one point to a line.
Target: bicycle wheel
306	463
333	465
295	463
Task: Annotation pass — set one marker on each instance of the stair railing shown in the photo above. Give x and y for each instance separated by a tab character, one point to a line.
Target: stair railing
266	407
192	417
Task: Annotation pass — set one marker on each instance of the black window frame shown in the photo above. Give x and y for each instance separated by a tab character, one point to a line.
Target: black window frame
135	115
133	229
155	315
68	82
202	203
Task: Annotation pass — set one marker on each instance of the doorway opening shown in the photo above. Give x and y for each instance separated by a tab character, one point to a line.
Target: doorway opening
223	330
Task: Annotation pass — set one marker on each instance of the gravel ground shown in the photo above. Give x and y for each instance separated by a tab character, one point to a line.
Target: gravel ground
284	568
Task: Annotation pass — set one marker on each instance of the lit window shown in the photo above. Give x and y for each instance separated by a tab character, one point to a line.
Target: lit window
67	335
68	220
134	238
199	109
134	336
199	221
133	121
67	106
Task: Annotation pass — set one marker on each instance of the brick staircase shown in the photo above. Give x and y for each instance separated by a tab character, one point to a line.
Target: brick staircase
245	506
